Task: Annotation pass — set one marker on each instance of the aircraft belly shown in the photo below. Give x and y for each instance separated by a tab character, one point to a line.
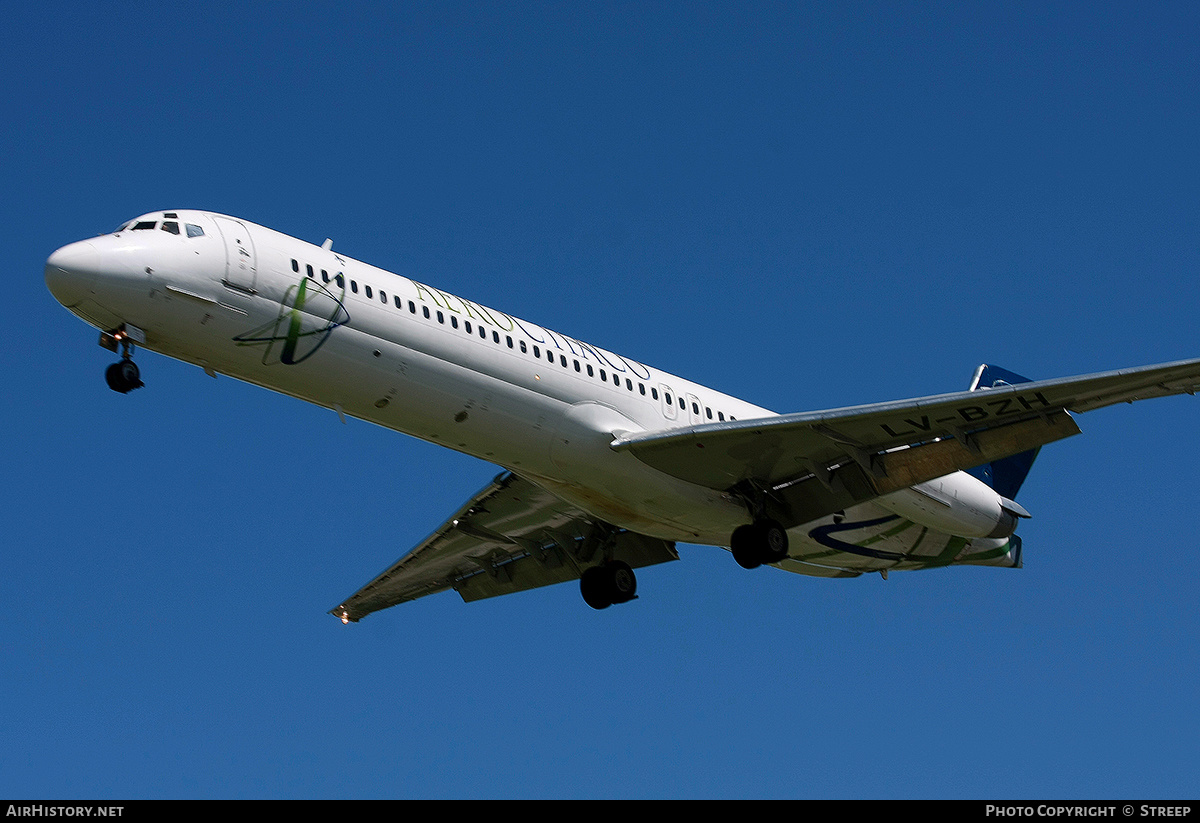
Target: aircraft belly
358	374
428	398
650	506
869	537
622	490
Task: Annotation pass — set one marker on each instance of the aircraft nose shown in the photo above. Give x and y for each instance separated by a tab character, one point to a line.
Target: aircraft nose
71	270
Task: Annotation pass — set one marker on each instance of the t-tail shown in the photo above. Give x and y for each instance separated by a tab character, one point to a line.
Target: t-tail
1007	474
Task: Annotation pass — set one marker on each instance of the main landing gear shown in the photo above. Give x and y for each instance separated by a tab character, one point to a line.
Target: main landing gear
613	582
763	541
124	375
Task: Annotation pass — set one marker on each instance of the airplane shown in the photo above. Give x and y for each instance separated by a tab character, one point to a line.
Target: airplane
607	462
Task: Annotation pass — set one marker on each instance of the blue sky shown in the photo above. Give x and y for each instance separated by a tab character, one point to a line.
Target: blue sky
806	205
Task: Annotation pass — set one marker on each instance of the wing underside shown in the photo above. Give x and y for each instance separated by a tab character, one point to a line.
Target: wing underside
812	464
511	536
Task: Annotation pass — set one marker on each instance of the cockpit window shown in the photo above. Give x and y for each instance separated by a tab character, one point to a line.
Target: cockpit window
123	226
193	230
170	226
143	225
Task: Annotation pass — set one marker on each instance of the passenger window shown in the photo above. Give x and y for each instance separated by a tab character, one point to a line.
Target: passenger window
412	307
170	227
537	352
341	281
495	337
441	318
467	326
641	388
669	400
482	333
524	349
628	384
354	286
654	393
708	412
396	299
295	266
510	342
590	372
576	365
368	290
720	415
324	276
195	231
425	311
563	359
604	375
382	296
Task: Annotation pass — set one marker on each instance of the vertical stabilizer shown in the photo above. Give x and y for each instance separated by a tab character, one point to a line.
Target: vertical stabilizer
1006	475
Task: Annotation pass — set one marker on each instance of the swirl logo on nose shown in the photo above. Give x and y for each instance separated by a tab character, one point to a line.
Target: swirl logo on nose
308	314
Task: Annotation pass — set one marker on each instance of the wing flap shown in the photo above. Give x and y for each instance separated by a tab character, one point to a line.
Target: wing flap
828	490
554	564
899	469
510	536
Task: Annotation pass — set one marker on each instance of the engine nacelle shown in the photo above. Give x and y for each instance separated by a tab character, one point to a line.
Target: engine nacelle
957	504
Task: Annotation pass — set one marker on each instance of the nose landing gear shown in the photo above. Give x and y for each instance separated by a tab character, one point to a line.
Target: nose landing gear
124	375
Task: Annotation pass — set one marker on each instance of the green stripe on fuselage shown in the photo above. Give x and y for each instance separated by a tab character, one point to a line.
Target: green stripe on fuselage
288	355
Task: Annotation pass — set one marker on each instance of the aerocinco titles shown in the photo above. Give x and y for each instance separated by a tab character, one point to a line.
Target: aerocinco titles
608	462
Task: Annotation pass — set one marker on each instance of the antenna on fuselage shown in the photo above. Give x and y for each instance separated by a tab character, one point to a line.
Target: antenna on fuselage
328	244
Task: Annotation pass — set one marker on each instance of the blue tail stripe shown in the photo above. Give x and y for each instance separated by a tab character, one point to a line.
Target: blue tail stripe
1008	473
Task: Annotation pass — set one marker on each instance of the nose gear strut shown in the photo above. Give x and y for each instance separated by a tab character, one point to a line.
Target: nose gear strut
123	376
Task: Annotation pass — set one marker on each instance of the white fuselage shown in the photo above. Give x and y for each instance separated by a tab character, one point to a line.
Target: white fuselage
246	301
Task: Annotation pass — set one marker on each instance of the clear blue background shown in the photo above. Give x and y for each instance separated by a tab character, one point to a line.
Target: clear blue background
806	205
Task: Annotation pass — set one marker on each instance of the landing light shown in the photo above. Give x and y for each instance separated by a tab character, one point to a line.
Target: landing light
345	618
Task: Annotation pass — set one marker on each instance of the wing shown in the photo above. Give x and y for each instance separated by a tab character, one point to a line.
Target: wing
511	536
815	463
